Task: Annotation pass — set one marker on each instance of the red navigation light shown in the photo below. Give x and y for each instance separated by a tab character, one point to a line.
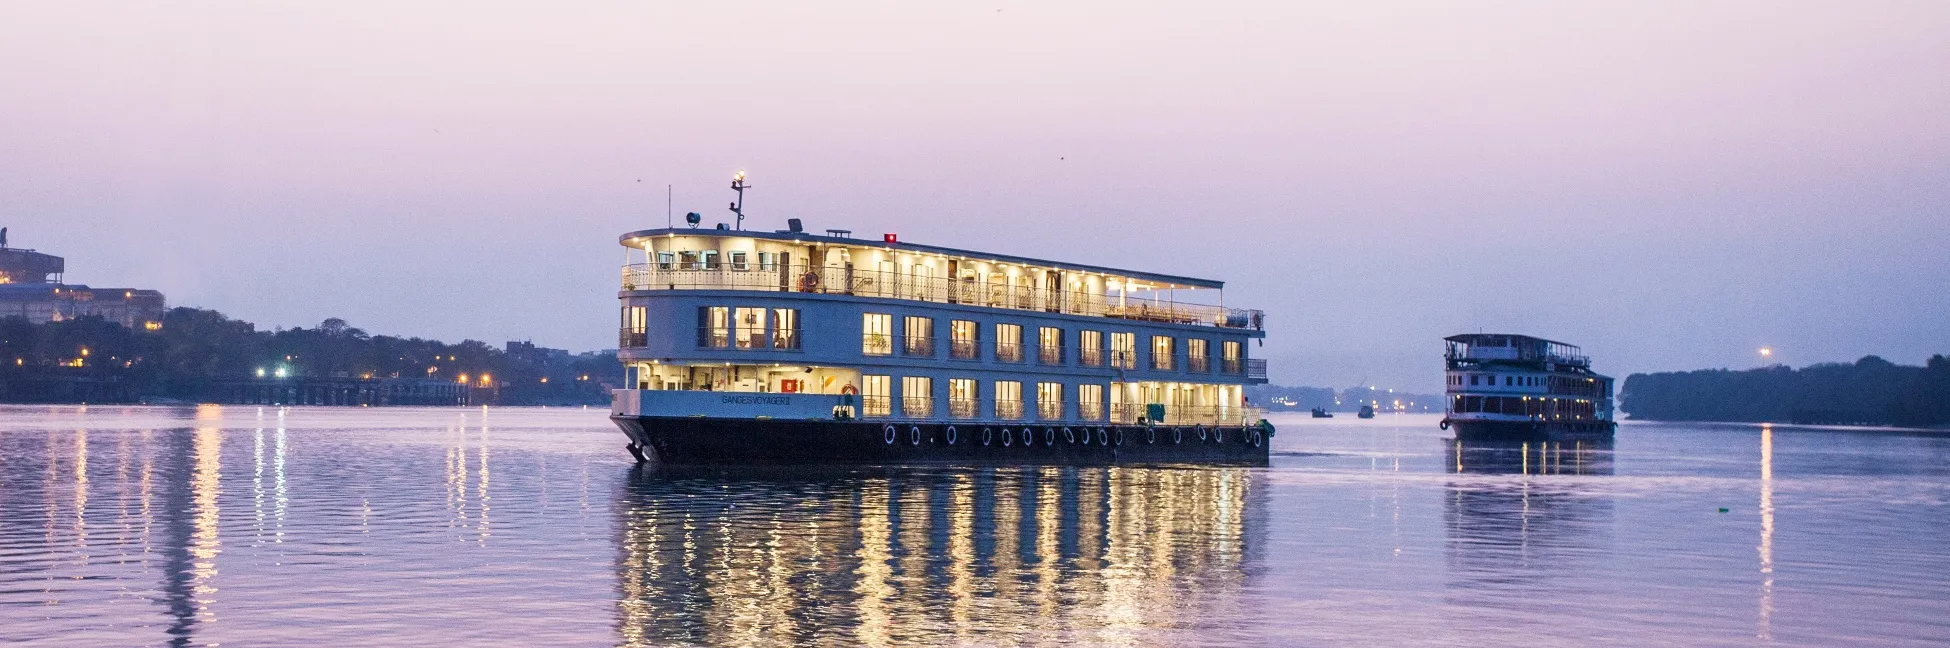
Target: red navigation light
890	238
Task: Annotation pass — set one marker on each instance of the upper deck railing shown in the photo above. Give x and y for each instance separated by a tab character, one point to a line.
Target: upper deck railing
869	283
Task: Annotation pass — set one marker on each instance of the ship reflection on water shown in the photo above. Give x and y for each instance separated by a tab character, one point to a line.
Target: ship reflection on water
898	556
1519	516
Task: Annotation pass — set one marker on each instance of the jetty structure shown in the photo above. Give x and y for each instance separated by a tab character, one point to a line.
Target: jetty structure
786	347
1504	386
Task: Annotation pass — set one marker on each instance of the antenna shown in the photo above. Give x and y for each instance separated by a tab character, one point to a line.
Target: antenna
738	185
668	222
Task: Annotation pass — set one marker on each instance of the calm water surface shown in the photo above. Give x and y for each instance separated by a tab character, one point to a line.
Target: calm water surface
310	526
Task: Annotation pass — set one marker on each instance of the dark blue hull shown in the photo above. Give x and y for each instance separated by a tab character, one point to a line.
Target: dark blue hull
705	441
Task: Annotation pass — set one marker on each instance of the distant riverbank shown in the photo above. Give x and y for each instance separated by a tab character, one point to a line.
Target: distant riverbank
197	355
1869	392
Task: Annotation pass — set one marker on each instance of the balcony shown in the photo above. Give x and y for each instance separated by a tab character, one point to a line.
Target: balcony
1049	355
1164	363
1198	364
1256	369
964	350
1008	352
1130	414
964	408
877	344
1123	359
917	346
876	406
1008	409
1231	366
1090	357
917	406
1090	410
866	283
628	339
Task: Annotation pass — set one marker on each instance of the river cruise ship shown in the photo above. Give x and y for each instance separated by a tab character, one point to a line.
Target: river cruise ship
744	347
1518	387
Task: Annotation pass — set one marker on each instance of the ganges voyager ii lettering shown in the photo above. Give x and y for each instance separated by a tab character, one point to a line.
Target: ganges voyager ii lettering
745	347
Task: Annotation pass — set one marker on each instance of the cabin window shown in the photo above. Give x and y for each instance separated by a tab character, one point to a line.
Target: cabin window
1008	343
874	395
1123	350
1472	379
963	394
877	334
1049	400
917	396
1090	348
1049	345
714	327
785	328
666	261
710	258
750	331
1197	357
1008	399
1090	402
768	261
918	338
738	262
1472	404
687	260
964	340
1161	353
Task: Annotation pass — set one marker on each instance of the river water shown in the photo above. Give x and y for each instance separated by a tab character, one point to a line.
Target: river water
244	526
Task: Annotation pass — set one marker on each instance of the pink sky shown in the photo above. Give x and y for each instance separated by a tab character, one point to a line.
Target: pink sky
1672	185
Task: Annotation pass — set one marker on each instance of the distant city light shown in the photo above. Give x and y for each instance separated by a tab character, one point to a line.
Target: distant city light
260	372
1766	352
282	372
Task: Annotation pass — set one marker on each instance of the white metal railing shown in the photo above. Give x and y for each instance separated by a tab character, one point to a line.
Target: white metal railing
870	283
1130	414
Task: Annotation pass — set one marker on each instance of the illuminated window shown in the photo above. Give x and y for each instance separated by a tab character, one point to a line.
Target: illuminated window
1090	348
963	395
875	393
1008	399
1161	353
964	340
1123	350
738	262
877	334
785	328
1090	402
1049	400
750	329
714	327
917	396
1008	343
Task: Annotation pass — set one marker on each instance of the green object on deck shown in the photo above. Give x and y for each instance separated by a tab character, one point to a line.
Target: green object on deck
1155	412
1723	509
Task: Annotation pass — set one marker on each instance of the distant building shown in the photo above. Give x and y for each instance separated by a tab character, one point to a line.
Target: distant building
31	286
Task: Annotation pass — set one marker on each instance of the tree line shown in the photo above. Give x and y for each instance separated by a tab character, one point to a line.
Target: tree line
1870	391
196	350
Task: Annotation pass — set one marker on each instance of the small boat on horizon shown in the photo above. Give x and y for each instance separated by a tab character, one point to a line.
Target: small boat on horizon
1367	411
1321	412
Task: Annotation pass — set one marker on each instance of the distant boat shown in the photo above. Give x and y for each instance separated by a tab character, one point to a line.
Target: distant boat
1321	412
1367	411
1518	387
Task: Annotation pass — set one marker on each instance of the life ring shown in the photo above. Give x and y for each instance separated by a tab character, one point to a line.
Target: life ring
1049	436
1200	429
809	281
1177	435
988	436
914	435
1444	424
1218	434
1008	438
1255	438
951	435
888	432
849	390
1103	437
1071	435
1153	434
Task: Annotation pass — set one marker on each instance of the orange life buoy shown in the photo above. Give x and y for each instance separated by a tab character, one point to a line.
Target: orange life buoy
849	390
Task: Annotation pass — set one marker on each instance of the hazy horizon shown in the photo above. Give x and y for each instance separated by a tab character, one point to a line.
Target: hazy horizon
1670	185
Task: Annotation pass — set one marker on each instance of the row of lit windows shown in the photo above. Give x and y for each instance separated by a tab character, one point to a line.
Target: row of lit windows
917	337
1544	408
965	398
722	327
711	260
1557	384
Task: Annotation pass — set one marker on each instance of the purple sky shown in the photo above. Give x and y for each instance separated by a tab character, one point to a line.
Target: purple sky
1671	185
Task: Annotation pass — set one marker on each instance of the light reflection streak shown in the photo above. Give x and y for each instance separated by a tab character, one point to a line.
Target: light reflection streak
1766	630
206	485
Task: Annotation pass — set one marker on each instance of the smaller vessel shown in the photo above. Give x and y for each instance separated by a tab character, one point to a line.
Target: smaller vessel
1367	411
1517	387
1321	412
